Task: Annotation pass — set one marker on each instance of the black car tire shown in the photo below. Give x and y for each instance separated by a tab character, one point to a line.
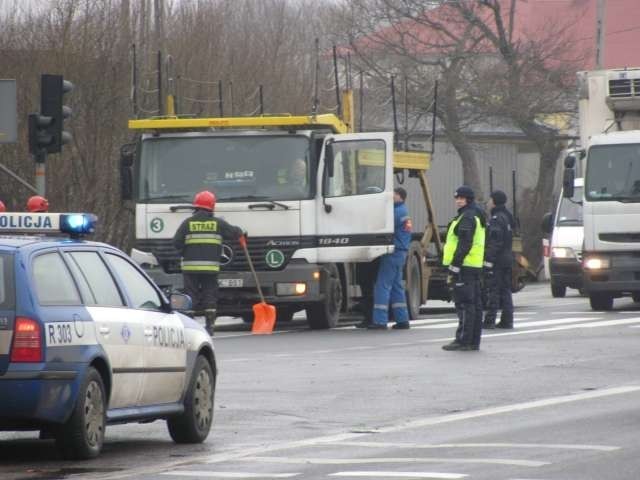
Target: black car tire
82	436
558	291
194	424
635	296
326	314
601	301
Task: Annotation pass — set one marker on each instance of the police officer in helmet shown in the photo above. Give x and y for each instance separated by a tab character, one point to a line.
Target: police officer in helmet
463	255
199	240
498	261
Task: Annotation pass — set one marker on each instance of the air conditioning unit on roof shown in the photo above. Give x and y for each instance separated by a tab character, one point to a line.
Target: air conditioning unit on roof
623	90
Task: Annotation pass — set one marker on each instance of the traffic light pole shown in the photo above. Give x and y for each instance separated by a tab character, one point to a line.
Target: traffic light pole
41	171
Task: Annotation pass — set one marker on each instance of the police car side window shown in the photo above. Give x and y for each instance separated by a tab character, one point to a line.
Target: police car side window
141	292
98	279
53	282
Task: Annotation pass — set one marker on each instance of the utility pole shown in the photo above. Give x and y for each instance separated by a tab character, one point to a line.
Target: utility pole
600	33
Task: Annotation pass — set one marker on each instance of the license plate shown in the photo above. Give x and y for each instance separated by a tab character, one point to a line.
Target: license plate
230	282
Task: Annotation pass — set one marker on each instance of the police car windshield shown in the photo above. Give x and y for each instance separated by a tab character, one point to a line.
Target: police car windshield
173	169
7	291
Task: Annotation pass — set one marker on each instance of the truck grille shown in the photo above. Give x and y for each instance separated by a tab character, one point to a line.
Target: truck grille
169	257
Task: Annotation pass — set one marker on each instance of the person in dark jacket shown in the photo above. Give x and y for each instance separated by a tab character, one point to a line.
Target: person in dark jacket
389	289
463	255
199	241
498	261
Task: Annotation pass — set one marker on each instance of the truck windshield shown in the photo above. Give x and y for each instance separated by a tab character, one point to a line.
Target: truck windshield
238	168
570	211
613	173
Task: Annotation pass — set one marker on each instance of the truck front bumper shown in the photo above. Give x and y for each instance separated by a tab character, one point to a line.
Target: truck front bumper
619	273
238	291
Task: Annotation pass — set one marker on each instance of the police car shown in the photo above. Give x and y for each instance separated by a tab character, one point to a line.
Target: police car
87	340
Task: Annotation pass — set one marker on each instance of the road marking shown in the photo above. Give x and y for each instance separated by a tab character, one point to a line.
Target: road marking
361	461
605	323
229	360
205	474
556	321
433	475
559	446
515	407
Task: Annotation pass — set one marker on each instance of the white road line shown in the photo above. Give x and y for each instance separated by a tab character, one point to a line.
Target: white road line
556	321
605	323
418	446
343	437
516	407
363	461
206	474
434	475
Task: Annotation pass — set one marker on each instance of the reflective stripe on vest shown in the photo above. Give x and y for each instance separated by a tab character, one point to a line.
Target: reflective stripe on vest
200	266
202	239
476	254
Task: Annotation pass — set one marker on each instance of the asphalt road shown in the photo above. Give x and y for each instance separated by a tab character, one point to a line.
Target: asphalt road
555	399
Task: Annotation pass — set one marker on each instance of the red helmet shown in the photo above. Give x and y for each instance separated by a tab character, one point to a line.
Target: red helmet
3	208
205	200
37	204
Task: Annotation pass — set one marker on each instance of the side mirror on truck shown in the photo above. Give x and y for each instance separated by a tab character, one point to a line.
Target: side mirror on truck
127	159
568	176
329	159
547	223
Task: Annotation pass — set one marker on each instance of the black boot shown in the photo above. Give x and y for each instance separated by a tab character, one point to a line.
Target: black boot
210	320
506	322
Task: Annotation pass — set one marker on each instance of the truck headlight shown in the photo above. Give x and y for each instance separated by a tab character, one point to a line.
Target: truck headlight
562	252
596	263
288	289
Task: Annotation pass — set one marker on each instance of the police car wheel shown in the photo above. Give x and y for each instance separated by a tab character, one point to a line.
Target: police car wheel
194	424
82	436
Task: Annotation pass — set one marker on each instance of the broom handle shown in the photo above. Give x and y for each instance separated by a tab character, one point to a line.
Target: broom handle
243	242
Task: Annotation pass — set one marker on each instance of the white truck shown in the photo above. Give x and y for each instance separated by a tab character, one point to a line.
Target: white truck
315	199
609	108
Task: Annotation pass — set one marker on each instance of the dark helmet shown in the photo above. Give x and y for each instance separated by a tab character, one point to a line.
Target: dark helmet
465	191
499	197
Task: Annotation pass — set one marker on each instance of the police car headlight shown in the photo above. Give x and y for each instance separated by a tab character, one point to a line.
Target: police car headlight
596	263
78	223
562	252
288	289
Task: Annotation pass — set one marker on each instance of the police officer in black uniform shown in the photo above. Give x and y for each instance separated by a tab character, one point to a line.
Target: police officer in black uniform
498	261
463	255
199	240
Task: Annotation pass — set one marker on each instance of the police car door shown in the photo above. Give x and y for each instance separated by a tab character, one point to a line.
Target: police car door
120	334
165	354
355	197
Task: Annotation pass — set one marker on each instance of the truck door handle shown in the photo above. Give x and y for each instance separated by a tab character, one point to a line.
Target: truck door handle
104	330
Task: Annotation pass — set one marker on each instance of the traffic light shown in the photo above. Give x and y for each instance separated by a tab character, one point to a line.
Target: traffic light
46	129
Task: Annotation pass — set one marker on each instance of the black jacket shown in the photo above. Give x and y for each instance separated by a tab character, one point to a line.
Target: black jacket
204	252
499	244
465	231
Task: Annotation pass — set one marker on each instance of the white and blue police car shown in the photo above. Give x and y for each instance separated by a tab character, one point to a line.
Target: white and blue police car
88	340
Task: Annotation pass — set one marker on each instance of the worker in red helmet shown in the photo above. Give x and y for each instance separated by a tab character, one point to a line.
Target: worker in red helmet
37	204
3	208
199	241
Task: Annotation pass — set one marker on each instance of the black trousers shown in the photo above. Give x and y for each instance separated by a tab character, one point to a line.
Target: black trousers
499	296
203	290
468	301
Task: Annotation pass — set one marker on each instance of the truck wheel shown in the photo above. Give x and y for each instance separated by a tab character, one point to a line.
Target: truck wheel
82	436
601	301
326	314
194	424
413	286
558	291
636	297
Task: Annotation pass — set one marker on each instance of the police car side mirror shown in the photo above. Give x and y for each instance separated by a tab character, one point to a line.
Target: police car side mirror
180	302
127	159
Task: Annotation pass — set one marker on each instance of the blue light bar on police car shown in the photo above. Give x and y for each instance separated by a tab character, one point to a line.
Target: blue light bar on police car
69	223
